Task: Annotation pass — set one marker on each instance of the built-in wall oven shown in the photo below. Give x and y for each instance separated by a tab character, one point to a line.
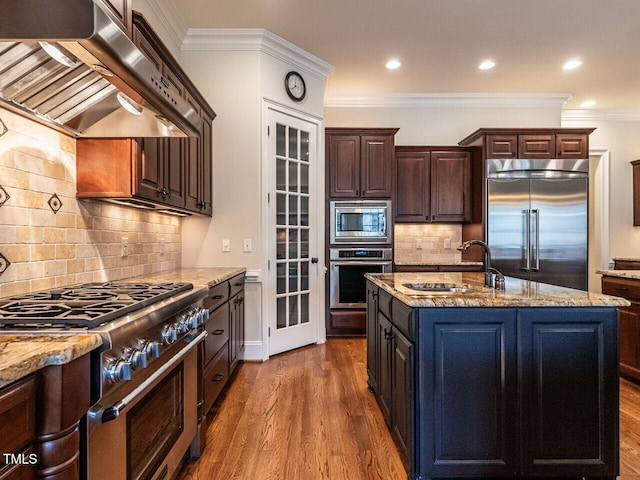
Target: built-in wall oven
347	285
360	221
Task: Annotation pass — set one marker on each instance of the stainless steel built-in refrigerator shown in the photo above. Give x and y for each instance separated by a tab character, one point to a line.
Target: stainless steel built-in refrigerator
538	220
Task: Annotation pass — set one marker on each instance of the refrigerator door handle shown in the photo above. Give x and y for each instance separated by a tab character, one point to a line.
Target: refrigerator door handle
535	248
526	258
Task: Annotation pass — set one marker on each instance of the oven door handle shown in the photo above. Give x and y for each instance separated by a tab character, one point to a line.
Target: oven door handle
112	412
359	264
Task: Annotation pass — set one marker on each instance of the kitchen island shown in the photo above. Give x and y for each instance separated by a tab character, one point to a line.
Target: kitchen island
479	383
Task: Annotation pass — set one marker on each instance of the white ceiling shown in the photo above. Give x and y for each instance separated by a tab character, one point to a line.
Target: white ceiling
441	42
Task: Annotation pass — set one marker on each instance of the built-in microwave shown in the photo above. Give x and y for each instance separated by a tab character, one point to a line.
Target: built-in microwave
360	221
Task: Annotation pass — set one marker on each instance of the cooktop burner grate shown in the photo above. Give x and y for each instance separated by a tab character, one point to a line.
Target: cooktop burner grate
87	305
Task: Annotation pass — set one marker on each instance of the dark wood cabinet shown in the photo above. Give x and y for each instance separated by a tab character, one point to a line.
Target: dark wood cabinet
120	11
497	392
359	162
40	419
432	185
236	321
537	144
372	337
629	343
161	170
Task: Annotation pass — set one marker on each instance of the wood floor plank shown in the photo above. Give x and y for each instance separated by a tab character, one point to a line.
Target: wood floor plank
307	415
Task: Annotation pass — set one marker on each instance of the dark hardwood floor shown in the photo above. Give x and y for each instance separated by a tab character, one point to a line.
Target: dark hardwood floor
307	414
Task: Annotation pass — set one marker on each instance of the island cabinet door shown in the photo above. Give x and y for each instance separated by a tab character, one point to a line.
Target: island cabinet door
569	391
467	382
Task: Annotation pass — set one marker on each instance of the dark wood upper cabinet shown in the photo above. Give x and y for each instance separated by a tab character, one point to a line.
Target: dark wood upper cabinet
536	146
360	162
501	146
636	193
120	11
432	185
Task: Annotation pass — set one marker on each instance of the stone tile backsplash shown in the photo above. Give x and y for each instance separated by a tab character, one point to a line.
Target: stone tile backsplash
433	237
49	239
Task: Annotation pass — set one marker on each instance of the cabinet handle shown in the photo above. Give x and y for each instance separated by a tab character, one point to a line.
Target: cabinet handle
217	297
217	332
622	289
388	335
218	377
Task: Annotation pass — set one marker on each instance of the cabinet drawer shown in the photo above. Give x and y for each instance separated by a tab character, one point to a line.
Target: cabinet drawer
218	328
621	287
216	375
218	294
402	318
17	416
384	302
236	285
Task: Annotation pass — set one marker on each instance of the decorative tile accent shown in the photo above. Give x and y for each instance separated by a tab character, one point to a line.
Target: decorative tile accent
4	264
3	128
55	203
4	196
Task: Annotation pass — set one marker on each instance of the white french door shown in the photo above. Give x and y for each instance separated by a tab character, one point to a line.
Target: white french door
293	287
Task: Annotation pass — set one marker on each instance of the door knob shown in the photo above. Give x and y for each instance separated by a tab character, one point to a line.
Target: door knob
314	260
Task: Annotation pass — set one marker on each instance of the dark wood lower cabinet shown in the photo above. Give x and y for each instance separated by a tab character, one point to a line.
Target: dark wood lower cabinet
497	392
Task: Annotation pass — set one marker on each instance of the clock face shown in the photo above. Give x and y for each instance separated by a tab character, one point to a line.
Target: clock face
294	84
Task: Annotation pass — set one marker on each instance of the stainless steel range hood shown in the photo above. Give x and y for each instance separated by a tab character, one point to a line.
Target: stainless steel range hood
82	99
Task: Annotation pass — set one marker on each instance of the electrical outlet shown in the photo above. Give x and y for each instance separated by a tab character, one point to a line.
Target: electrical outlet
124	247
162	246
419	243
447	244
226	245
246	245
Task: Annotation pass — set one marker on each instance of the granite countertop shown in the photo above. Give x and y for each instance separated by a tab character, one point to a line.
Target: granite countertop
21	355
631	274
207	276
518	293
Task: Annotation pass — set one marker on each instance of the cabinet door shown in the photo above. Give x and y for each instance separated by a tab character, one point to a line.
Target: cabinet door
237	331
629	340
384	339
120	10
537	146
450	186
206	155
344	165
636	192
402	418
174	181
568	373
376	165
468	385
150	168
413	181
372	331
501	146
193	177
572	145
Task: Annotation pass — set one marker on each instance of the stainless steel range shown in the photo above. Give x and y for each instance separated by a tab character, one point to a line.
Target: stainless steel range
144	377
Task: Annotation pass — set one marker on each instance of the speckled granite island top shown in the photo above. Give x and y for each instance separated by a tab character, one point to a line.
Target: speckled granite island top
518	293
208	276
21	355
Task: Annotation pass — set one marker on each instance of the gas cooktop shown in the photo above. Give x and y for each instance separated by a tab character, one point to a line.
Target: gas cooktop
87	305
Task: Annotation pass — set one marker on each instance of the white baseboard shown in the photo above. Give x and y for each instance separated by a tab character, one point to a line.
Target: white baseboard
253	351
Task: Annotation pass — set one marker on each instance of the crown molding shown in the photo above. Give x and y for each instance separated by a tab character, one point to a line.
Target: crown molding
256	39
617	115
171	20
481	100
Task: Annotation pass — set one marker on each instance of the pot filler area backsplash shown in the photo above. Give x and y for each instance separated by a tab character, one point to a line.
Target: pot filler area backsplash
427	243
48	238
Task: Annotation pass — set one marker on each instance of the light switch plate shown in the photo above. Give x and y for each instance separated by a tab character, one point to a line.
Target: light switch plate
226	245
246	245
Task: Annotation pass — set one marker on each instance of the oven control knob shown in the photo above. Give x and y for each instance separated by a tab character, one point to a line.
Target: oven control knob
118	370
137	357
181	325
203	313
151	347
169	334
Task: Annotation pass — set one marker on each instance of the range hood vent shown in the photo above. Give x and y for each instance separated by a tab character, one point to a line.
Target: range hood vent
80	97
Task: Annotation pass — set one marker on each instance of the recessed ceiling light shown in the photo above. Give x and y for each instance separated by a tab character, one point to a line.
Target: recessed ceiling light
487	65
393	64
588	103
572	64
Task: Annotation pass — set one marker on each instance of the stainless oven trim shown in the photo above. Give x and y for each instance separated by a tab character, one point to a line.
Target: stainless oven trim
357	237
334	296
111	413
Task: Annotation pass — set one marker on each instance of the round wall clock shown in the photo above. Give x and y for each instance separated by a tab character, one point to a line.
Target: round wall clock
295	86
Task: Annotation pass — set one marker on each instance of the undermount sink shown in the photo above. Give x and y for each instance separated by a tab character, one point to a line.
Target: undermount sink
438	287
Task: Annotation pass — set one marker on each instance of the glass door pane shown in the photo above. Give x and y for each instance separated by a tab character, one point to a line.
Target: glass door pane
292	226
